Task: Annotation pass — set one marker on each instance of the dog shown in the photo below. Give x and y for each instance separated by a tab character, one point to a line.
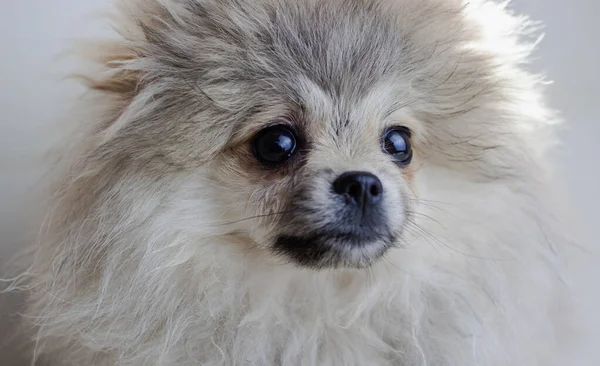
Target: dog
305	182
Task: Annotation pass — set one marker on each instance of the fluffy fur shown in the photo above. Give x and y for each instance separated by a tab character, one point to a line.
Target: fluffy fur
157	245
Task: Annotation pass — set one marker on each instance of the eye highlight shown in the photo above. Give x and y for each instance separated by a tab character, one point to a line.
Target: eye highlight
275	144
396	142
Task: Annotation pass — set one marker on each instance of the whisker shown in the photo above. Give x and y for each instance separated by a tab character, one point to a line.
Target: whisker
422	215
256	217
436	240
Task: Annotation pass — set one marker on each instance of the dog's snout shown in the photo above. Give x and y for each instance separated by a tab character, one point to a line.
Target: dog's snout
362	188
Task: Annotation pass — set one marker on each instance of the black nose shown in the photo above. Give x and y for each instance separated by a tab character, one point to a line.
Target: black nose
363	188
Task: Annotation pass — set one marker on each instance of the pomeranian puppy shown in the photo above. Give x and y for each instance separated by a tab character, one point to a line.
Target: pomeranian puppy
305	182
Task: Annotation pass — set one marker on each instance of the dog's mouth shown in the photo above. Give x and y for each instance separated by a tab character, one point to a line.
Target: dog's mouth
339	232
333	249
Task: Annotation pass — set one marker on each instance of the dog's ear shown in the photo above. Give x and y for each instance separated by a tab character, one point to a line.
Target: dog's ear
116	80
108	77
117	71
111	85
113	73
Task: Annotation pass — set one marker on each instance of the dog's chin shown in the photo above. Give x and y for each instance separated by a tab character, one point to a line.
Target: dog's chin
331	249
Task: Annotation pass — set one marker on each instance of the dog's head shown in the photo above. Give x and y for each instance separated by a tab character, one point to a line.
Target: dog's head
314	120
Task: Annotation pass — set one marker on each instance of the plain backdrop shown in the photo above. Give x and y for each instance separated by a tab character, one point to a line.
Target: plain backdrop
33	33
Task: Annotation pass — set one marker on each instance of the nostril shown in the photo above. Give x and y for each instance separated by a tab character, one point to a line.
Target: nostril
375	190
355	189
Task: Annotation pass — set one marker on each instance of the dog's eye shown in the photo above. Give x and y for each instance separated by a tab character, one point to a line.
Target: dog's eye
275	144
396	142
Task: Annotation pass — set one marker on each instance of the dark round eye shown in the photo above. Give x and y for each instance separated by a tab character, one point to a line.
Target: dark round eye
275	144
396	142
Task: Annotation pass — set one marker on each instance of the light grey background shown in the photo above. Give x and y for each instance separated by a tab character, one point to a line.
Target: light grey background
32	97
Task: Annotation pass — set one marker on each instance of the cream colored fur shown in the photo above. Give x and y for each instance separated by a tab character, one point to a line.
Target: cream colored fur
155	247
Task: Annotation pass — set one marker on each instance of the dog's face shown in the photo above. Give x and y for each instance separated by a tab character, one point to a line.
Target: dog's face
328	179
315	118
